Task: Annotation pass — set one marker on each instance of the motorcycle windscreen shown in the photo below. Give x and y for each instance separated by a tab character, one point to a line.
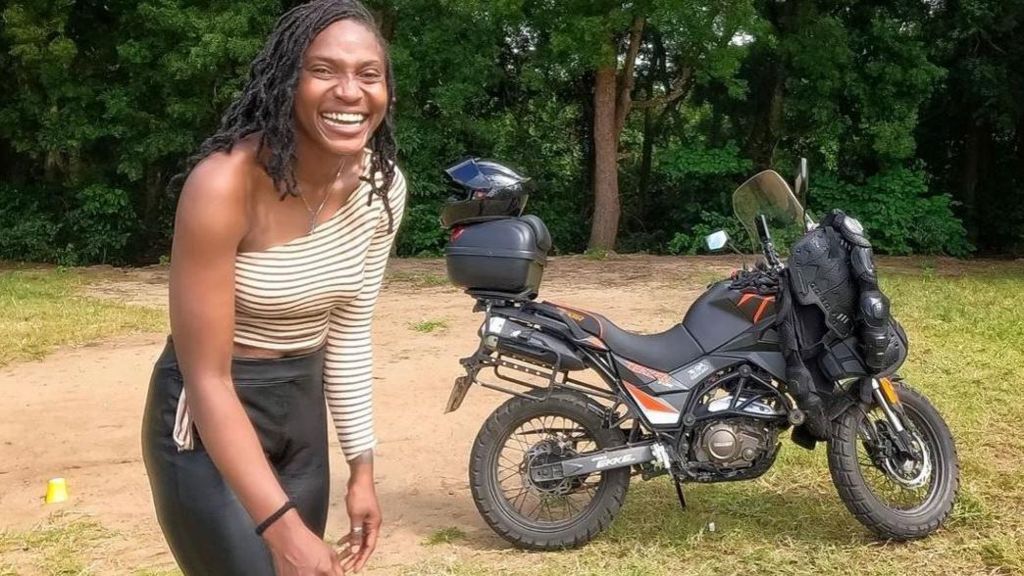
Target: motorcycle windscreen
767	194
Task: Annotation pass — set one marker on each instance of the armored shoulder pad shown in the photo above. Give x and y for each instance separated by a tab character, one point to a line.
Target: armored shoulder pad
850	228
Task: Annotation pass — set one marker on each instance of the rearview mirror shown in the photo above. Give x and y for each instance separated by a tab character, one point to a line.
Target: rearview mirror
801	184
717	240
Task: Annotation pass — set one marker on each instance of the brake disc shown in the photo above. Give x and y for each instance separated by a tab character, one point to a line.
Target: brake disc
907	472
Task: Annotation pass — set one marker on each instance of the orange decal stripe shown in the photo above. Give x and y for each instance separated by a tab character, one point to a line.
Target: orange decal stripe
650	402
760	310
744	298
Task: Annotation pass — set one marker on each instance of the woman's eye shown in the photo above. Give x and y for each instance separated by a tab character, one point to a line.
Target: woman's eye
321	71
372	75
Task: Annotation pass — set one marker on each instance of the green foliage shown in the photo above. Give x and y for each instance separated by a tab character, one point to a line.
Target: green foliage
897	212
101	223
422	234
37	224
692	241
862	89
27	230
150	81
682	162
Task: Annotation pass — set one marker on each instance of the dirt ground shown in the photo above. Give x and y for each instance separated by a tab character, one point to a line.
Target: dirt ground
77	412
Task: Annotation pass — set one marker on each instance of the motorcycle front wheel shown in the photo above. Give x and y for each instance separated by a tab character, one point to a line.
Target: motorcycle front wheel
896	498
545	515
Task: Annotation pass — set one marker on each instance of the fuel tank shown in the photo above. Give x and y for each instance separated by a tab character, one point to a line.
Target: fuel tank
721	315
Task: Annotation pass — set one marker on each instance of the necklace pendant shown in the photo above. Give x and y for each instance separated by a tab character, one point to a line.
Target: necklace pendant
312	224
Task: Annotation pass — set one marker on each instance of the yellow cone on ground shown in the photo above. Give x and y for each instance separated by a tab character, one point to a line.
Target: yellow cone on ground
56	491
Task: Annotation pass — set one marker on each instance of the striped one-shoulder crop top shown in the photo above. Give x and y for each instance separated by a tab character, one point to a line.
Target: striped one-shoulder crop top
320	289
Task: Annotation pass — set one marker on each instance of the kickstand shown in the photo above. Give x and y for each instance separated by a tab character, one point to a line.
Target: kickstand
679	492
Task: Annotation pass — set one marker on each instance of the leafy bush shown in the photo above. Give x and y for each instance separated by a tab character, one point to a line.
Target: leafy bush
897	212
100	225
421	233
692	242
680	161
27	230
35	225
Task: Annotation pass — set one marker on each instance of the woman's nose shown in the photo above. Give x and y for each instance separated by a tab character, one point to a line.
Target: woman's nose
347	88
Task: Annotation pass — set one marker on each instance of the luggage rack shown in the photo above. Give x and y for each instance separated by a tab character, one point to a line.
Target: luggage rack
556	378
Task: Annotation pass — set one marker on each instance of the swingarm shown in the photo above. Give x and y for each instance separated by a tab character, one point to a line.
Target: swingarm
609	459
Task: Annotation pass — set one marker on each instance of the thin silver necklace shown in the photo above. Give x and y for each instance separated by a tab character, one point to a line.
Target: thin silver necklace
314	215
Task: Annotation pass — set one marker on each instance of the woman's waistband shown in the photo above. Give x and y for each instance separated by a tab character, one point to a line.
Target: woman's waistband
249	369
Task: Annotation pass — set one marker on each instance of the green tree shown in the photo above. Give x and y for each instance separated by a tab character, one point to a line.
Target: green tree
975	124
603	42
113	97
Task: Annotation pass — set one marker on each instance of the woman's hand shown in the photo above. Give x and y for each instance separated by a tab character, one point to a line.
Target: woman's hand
364	515
298	552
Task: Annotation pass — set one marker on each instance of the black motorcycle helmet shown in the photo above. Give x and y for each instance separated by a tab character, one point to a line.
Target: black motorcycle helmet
484	190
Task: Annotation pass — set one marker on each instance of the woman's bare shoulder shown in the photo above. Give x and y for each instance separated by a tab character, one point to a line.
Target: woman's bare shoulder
217	197
223	177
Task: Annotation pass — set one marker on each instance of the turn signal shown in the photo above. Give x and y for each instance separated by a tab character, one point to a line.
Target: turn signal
889	391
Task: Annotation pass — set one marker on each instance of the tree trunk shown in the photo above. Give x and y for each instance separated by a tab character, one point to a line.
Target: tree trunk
613	99
766	130
605	226
767	127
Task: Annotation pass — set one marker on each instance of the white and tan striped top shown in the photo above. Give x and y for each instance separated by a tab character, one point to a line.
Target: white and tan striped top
316	289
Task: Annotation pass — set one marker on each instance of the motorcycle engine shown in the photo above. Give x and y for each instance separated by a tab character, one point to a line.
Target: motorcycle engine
733	443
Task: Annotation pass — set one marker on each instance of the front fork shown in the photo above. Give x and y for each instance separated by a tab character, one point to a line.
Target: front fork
883	393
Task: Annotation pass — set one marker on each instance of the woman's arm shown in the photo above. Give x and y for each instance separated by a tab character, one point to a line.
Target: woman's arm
348	380
211	221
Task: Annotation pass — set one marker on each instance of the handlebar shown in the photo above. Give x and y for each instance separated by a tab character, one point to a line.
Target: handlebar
770	254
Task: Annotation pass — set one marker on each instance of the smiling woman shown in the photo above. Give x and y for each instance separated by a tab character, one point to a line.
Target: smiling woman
283	229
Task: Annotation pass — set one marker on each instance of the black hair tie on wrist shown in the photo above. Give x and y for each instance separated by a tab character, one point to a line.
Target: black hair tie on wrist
274	517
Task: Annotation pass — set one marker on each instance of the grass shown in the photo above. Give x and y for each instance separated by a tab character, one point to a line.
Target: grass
43	309
429	325
445	536
54	548
63	545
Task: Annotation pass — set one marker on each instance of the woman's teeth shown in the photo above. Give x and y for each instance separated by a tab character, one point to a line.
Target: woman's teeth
344	119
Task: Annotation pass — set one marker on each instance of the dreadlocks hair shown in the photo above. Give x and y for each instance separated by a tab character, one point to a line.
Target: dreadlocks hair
266	104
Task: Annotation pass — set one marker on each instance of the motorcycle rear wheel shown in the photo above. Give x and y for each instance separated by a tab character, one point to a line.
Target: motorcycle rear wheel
897	500
543	516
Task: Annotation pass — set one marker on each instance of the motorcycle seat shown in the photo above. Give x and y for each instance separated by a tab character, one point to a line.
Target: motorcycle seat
665	351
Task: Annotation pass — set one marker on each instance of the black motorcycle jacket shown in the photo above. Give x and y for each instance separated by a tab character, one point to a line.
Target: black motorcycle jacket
834	319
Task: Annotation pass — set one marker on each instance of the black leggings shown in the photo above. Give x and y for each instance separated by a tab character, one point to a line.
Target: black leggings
207	529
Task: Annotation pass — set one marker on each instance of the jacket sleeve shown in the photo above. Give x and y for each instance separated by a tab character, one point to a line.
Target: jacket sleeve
348	369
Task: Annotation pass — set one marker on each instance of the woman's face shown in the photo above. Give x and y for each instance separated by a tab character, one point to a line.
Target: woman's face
342	95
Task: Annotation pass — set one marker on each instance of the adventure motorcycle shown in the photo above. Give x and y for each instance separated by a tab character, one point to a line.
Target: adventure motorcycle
767	350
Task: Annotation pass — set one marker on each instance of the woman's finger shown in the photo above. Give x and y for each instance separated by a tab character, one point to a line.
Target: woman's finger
336	569
344	551
369	544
